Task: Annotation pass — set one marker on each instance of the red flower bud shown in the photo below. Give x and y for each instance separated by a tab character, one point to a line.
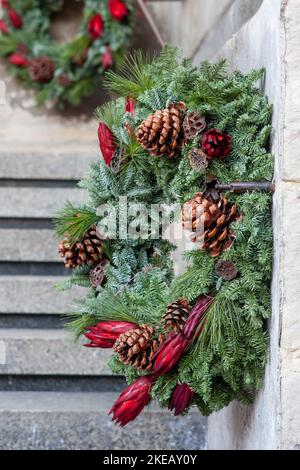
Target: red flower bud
132	401
130	106
169	354
95	26
216	144
104	334
15	19
118	9
190	330
107	59
106	142
3	27
18	59
182	397
4	3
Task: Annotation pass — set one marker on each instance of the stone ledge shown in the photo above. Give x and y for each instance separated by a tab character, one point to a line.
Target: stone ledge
28	245
42	203
35	295
45	166
50	352
79	421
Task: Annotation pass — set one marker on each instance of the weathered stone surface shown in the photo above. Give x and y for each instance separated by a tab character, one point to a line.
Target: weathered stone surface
50	352
35	294
59	165
76	421
271	39
186	23
226	25
291	103
36	202
28	245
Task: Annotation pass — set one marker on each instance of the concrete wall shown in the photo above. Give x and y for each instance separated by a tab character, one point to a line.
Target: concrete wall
254	34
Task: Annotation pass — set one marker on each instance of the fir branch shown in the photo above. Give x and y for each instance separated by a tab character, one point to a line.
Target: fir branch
73	222
133	78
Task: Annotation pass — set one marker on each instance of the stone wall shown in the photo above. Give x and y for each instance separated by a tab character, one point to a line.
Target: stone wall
255	34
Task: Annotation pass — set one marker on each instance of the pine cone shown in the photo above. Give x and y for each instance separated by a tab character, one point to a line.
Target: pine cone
137	347
193	124
89	251
64	80
198	159
226	270
209	221
98	274
162	133
176	315
41	69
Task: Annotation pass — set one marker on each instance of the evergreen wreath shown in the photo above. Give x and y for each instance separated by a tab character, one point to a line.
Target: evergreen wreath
178	133
67	71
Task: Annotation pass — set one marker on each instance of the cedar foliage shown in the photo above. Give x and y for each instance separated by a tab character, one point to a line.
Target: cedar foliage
227	361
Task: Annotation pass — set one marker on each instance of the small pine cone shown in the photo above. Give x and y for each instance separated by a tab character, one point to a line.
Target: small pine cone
176	315
137	347
162	133
41	69
64	81
89	251
226	270
198	159
209	222
98	274
193	124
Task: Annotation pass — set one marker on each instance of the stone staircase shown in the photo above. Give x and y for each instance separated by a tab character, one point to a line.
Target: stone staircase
55	394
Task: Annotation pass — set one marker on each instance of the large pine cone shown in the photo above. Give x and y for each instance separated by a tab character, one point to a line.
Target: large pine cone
162	133
176	315
41	69
193	124
137	347
89	251
209	221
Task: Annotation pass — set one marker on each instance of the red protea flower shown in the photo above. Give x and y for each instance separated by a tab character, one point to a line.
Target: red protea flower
118	9
104	334
182	397
192	329
3	27
107	59
18	59
4	3
216	144
106	142
132	401
95	26
130	106
15	19
169	354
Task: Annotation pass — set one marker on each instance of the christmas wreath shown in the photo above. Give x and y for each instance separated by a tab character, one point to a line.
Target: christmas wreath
197	137
67	71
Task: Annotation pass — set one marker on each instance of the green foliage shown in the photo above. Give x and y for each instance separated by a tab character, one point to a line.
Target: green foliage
133	78
72	222
80	60
227	361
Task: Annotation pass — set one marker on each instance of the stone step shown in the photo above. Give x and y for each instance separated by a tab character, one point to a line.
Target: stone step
36	202
28	245
80	421
35	295
52	166
49	352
